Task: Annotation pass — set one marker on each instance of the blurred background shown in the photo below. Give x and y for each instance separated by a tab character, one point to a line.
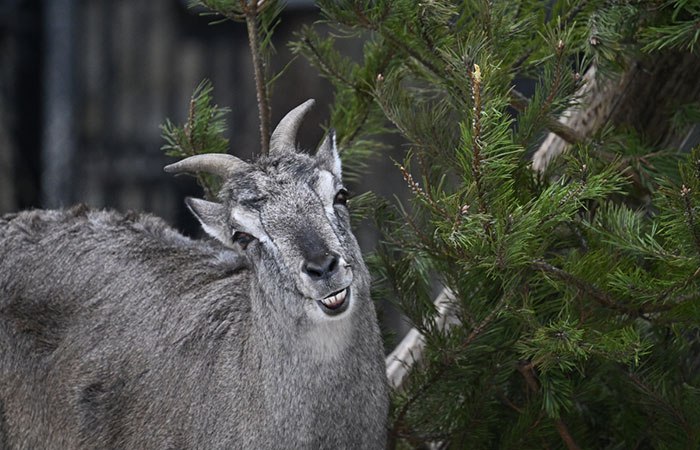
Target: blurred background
85	85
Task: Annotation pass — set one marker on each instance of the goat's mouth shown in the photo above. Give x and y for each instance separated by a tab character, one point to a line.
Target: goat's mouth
335	303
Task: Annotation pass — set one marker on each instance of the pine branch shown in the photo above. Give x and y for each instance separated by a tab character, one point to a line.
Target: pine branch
594	96
475	77
519	102
326	68
445	362
410	52
419	193
690	216
527	370
589	289
682	35
663	297
396	41
660	401
531	122
599	295
203	132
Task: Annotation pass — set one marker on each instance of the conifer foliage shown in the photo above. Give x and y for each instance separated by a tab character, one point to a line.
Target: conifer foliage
576	290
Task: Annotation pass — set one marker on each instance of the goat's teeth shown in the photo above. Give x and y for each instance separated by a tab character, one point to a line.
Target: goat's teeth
334	300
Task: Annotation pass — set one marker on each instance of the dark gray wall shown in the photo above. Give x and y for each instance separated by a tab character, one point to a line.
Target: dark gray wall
104	76
138	63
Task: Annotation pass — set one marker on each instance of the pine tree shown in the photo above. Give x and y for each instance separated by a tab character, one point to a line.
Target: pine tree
575	289
570	307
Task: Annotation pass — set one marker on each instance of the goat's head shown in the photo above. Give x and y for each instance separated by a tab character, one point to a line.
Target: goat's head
287	213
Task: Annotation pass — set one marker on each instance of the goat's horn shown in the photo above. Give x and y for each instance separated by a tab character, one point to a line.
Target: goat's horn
285	135
221	164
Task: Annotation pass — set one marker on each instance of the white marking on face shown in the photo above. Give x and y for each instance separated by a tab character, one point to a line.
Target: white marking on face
336	159
249	222
326	188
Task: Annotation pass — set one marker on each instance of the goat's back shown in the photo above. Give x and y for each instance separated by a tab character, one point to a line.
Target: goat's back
100	315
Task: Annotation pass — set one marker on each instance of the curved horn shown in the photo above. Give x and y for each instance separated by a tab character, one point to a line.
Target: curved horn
221	164
285	135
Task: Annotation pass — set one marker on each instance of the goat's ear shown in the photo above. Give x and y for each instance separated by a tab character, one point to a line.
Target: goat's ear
212	216
327	155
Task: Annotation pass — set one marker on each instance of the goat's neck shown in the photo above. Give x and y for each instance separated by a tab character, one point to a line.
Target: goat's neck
299	359
295	368
288	339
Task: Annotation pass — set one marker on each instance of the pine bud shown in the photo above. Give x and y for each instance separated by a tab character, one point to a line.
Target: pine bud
477	74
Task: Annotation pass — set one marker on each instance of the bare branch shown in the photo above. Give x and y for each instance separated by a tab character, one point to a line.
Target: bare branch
409	352
595	104
251	19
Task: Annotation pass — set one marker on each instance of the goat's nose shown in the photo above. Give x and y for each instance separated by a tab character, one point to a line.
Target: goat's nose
322	266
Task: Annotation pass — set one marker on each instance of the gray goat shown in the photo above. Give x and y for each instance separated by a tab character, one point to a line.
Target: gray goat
118	332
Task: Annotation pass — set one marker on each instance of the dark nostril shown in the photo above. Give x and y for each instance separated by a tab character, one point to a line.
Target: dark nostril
322	266
313	270
333	265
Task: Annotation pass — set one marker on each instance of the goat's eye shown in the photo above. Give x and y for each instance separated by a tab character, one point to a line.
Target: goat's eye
341	198
242	239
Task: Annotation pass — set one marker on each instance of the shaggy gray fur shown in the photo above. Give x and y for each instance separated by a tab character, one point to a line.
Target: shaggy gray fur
118	332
